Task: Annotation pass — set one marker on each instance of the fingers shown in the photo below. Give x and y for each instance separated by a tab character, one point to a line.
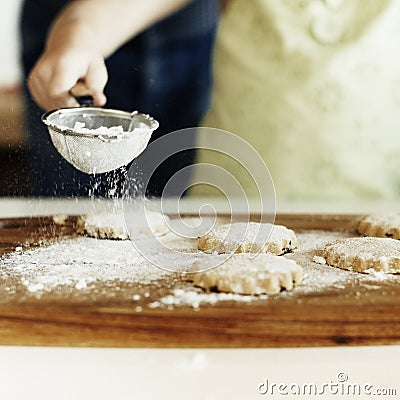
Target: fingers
47	97
54	75
96	79
48	83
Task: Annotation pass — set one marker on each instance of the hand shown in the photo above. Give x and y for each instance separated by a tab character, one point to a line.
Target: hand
59	69
82	35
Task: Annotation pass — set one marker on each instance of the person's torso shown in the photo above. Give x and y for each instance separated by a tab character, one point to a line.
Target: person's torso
314	85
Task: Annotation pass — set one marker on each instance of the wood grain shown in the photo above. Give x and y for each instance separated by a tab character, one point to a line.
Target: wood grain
354	315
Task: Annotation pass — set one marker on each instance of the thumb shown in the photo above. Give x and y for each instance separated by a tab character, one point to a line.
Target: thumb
96	79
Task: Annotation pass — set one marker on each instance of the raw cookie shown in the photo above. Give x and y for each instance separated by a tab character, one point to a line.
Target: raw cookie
248	237
363	254
248	274
112	226
384	225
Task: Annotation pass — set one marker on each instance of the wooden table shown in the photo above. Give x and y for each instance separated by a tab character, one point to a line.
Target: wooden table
353	315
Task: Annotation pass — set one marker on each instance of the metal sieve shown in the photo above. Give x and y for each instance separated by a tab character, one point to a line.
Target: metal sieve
99	152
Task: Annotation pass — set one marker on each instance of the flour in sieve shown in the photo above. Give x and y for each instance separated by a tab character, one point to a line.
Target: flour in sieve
103	149
79	127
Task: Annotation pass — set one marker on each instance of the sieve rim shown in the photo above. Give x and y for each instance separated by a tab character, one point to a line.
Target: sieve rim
153	123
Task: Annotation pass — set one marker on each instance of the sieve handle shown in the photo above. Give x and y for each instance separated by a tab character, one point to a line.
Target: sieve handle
82	94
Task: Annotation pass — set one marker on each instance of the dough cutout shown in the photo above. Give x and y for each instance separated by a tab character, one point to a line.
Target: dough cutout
112	226
383	225
247	274
248	237
364	254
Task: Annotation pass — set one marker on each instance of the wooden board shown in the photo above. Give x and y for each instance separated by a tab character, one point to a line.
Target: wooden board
352	315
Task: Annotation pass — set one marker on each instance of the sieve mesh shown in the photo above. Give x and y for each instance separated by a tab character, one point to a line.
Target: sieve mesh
99	152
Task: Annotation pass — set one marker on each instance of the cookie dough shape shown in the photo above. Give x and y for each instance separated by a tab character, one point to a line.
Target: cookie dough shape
248	237
248	274
384	225
112	226
364	254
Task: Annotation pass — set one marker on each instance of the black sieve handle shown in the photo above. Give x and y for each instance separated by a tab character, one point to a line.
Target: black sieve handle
82	94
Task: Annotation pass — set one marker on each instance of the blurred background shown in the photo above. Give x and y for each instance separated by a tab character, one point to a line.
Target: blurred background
14	174
317	81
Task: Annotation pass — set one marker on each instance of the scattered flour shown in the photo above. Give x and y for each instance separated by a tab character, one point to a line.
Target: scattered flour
83	264
78	262
194	298
319	260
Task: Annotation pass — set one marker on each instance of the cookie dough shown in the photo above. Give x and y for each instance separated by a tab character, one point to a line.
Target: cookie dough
247	274
112	226
364	254
248	237
384	225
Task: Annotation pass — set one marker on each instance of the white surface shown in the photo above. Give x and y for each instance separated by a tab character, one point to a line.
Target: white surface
17	207
10	70
61	373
